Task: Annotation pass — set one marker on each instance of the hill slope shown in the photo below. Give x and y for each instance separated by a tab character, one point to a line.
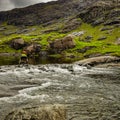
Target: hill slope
93	24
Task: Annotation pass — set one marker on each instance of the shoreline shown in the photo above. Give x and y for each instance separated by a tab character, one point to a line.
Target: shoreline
100	61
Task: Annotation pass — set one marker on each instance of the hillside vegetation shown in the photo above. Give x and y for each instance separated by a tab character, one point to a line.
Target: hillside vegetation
93	25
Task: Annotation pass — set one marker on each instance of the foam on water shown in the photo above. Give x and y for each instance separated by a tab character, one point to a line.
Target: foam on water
24	97
29	90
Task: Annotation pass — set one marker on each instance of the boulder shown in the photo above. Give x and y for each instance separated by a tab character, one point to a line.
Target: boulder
62	44
48	112
32	49
18	43
98	60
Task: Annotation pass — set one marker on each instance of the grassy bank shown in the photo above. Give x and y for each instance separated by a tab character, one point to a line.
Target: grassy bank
91	43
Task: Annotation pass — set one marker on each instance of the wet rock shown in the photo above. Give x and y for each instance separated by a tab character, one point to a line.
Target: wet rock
98	60
102	38
62	44
48	112
70	68
18	43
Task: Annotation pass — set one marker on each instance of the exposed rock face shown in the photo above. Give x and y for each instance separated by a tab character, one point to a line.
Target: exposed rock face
62	44
17	43
49	112
106	12
71	25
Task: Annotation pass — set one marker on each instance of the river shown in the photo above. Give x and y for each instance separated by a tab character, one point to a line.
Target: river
88	94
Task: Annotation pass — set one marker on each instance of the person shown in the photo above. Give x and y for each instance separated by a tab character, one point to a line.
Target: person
23	58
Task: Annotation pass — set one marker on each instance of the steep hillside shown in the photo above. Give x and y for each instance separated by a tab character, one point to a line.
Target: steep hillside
45	12
93	24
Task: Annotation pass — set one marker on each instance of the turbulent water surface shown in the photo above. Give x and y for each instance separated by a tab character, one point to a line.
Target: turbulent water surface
88	94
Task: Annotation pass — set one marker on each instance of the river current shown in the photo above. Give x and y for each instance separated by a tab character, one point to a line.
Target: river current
88	94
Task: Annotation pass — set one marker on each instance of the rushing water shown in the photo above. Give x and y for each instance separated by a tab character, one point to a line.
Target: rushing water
88	94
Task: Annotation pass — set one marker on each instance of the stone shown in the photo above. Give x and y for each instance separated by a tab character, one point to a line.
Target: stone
98	60
62	44
18	43
83	50
102	38
32	49
106	28
74	34
88	38
71	25
47	112
98	22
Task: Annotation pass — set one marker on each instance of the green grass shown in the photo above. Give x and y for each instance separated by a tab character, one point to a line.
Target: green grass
41	37
103	47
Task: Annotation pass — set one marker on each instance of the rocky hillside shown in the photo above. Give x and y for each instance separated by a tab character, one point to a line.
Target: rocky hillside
45	12
102	11
74	29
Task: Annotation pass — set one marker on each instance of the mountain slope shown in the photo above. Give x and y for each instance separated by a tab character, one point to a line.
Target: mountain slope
44	12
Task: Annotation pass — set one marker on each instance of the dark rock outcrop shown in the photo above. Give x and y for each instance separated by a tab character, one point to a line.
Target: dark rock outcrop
71	25
61	44
106	12
48	112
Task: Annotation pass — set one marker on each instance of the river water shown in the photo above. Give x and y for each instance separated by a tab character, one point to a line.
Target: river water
88	94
